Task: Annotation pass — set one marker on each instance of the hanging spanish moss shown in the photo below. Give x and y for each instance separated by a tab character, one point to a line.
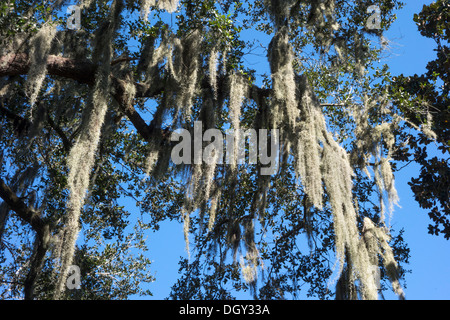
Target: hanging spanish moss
40	47
376	239
187	61
210	171
369	140
360	54
82	155
320	162
337	174
250	269
80	161
186	225
214	204
145	8
191	200
212	64
307	150
281	58
426	127
168	5
159	150
238	91
152	57
86	3
279	10
322	21
387	176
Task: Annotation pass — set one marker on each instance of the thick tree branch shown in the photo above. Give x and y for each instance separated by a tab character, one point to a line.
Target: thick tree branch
41	246
26	213
127	108
66	142
84	72
19	64
42	229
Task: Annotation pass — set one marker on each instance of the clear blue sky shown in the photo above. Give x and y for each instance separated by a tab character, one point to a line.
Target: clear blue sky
430	260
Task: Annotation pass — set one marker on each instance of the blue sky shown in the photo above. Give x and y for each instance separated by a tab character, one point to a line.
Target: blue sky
430	255
430	260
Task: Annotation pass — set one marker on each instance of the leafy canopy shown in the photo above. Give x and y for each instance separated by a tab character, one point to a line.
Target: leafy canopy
87	117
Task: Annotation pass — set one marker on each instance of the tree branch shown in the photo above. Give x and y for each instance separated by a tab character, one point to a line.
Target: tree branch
127	108
66	142
19	64
42	229
16	204
84	72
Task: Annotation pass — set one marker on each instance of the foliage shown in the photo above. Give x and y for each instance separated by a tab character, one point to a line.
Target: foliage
86	121
424	100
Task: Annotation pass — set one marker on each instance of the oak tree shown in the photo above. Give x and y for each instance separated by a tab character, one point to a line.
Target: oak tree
88	117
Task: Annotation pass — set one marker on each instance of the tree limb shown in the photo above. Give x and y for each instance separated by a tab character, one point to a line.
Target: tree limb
19	64
85	71
42	229
26	213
